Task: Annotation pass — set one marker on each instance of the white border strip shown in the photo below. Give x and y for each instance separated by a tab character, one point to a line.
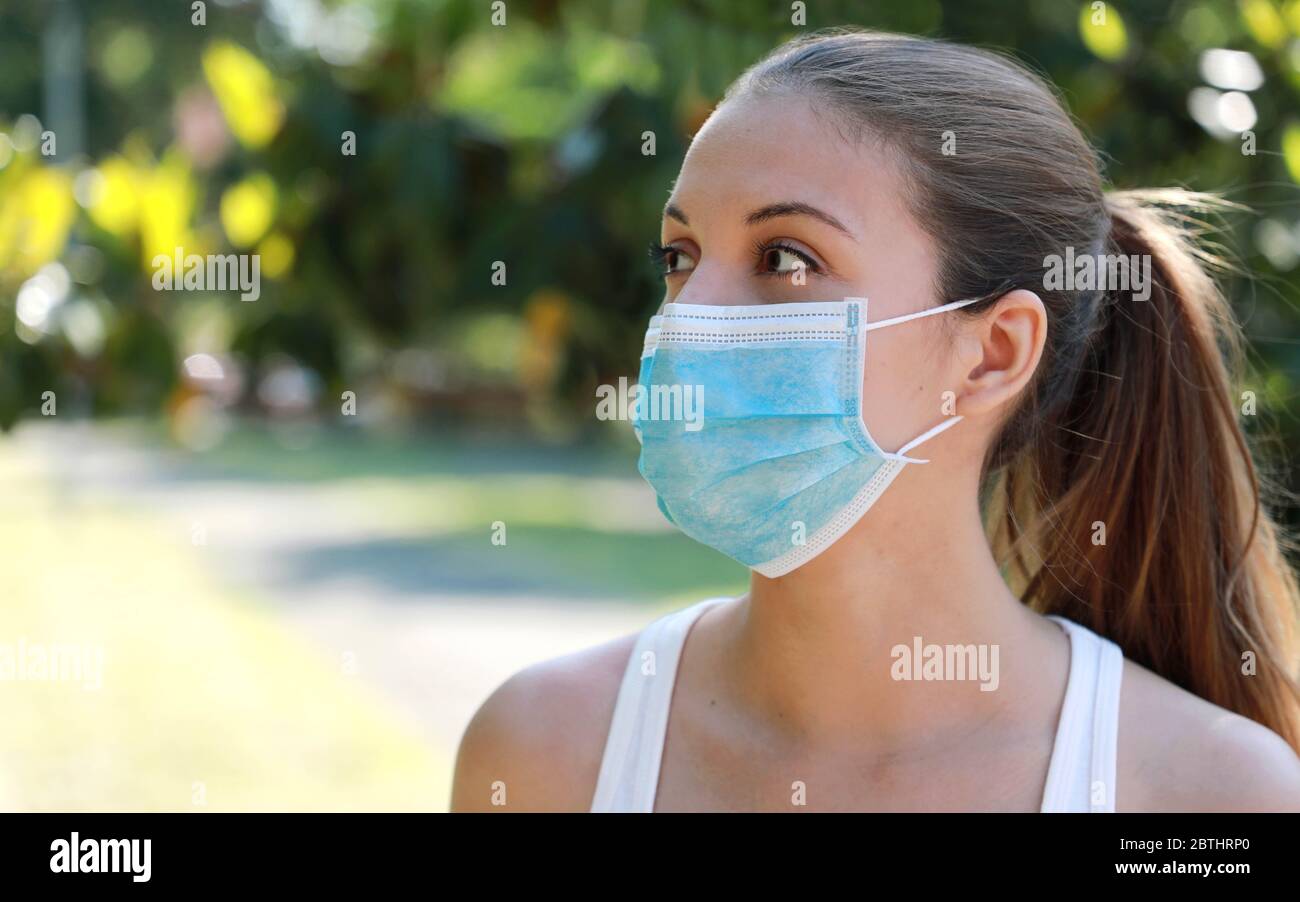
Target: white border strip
844	521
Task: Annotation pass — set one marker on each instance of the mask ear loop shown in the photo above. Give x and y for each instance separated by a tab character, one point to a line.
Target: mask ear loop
929	311
901	453
930	433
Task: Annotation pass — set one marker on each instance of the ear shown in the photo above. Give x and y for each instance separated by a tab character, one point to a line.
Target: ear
999	352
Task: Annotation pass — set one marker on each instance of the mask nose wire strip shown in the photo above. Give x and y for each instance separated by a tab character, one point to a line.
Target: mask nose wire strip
930	311
924	436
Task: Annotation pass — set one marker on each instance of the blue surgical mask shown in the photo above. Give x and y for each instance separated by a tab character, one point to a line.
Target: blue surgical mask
751	430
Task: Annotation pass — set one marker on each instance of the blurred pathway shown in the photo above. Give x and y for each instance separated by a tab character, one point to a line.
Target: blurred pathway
435	650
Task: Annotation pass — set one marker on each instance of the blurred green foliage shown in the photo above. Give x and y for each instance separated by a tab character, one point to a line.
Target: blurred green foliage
476	143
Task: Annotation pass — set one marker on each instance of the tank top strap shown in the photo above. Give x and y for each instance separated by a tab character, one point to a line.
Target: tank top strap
629	768
1081	775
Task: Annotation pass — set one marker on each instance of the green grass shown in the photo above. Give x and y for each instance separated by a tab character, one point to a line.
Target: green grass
204	694
207	694
257	451
580	523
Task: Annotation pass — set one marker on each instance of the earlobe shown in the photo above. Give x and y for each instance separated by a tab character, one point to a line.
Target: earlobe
1005	347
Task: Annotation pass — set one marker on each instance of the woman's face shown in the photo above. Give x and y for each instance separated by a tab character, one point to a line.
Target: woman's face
774	205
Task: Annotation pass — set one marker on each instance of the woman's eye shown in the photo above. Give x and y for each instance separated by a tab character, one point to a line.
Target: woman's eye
669	260
677	261
784	261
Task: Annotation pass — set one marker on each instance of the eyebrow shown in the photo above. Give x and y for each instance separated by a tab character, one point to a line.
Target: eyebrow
794	208
675	212
771	211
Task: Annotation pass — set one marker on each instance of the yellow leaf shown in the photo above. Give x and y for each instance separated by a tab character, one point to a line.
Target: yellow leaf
1102	31
167	203
1263	22
1291	12
115	207
245	91
277	255
35	218
247	209
1291	150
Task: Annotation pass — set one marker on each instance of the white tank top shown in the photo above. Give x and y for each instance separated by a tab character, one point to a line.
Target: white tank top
1080	776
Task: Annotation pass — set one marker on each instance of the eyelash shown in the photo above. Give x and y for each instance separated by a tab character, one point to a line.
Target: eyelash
659	257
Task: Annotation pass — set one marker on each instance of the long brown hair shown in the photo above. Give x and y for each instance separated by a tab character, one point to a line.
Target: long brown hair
1121	492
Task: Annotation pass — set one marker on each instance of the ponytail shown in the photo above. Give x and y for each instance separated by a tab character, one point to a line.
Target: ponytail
1138	514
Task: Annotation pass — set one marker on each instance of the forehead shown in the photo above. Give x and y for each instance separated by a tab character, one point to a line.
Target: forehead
757	149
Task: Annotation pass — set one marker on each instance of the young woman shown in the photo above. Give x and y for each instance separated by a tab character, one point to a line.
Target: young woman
1072	600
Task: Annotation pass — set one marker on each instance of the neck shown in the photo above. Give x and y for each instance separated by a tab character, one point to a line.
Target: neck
815	653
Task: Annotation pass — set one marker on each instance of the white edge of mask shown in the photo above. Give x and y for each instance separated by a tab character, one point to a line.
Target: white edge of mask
845	520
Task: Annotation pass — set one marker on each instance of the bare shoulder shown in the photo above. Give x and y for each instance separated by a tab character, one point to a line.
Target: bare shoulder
536	743
1179	752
